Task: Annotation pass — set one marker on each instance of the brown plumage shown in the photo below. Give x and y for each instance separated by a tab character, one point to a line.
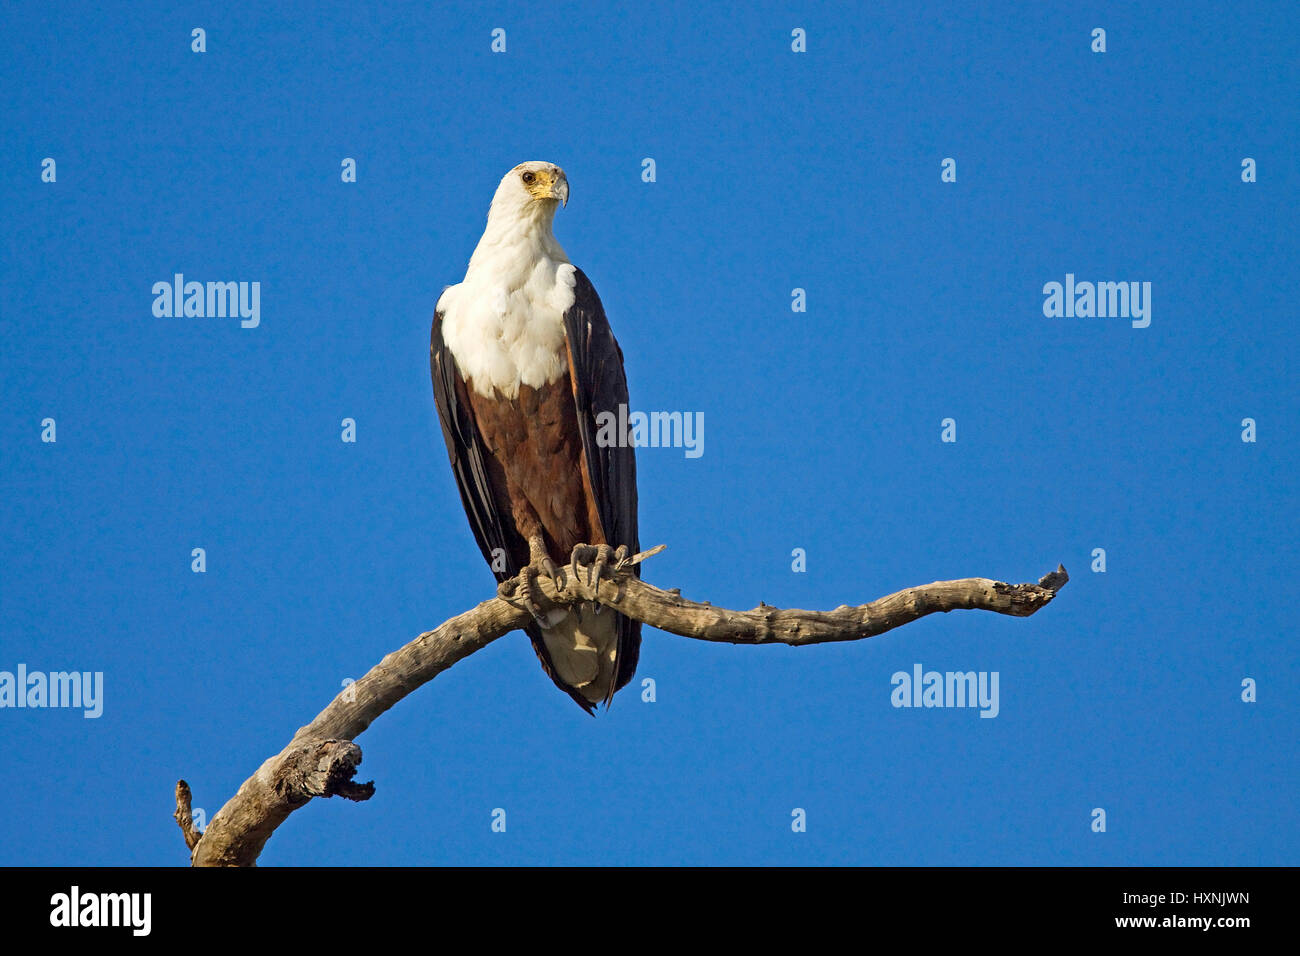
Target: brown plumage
535	461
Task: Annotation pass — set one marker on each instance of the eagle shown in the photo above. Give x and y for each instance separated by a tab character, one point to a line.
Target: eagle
524	364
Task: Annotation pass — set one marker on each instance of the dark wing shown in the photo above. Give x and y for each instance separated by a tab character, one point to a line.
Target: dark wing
469	462
600	385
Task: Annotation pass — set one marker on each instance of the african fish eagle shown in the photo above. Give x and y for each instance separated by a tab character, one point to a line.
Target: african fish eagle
523	361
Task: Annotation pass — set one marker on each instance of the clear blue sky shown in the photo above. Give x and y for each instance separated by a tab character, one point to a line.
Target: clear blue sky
775	170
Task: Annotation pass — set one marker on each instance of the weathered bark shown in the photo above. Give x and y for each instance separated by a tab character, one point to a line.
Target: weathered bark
321	759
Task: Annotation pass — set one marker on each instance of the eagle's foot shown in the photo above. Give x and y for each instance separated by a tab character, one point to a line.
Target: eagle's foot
522	592
539	559
598	556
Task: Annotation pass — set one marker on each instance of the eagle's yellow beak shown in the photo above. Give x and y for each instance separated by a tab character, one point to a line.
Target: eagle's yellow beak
560	186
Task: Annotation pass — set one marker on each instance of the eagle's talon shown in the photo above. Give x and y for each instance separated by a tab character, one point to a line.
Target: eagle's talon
553	571
582	554
540	560
598	568
527	577
520	593
602	562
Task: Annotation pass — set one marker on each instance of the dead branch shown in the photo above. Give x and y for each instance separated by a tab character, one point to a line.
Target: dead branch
321	759
185	815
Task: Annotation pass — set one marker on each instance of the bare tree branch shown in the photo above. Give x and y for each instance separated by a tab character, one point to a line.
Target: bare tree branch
321	759
185	815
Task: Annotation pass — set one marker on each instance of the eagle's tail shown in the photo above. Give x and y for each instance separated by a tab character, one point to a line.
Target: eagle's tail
583	647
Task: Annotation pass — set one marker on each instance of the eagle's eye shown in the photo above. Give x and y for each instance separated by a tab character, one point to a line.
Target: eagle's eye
529	177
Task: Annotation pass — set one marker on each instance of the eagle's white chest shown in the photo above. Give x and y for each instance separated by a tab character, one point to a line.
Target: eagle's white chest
504	324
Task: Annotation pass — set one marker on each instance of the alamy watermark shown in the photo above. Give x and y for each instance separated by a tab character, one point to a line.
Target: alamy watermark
652	430
130	910
922	688
74	689
210	300
1104	300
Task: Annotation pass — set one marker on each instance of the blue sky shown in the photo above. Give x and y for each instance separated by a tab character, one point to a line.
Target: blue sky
775	170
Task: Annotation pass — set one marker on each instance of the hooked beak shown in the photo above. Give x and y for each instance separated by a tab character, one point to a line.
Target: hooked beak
560	187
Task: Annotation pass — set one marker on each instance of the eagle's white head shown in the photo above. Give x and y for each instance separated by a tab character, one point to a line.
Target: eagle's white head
528	194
